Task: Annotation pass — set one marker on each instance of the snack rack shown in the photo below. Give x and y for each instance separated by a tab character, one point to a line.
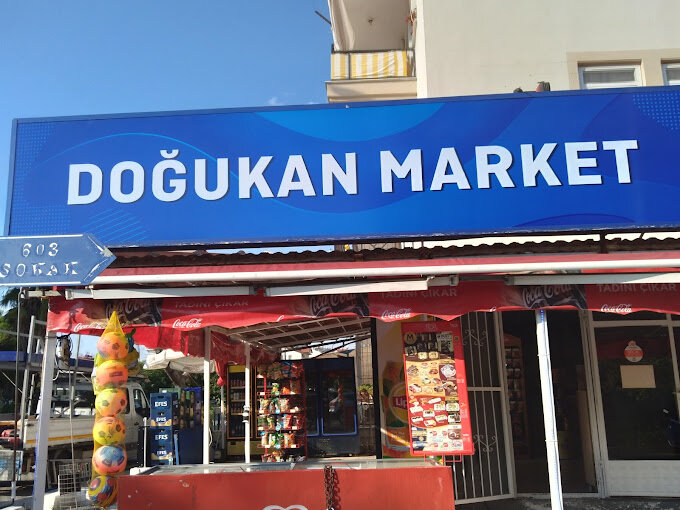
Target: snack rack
514	369
281	414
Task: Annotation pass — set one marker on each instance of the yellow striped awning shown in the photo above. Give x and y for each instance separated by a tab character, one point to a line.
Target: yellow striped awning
380	64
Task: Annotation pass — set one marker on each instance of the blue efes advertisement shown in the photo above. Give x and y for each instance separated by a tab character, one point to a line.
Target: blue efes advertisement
537	162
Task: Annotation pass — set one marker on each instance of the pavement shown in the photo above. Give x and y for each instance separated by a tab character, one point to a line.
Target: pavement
627	503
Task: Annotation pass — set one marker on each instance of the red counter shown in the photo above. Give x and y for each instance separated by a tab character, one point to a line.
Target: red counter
419	485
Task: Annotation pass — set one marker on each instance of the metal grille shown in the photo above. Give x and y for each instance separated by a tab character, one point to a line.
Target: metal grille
73	480
484	475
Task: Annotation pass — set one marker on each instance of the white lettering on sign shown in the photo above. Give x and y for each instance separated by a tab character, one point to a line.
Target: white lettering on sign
38	269
579	163
637	287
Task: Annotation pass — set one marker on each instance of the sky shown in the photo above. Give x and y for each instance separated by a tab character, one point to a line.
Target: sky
76	57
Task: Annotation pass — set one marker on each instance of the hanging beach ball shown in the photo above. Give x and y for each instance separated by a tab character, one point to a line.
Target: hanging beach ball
111	374
112	346
102	490
111	401
108	430
109	460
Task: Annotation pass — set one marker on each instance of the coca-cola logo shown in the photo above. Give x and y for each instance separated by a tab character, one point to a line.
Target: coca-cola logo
541	296
339	303
92	325
620	308
398	314
136	311
188	324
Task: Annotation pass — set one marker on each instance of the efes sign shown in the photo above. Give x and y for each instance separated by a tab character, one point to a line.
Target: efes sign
537	162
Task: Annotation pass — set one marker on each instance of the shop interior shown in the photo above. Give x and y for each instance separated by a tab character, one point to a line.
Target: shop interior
526	409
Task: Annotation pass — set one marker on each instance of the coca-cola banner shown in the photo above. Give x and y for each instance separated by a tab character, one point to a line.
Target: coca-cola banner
169	322
189	314
634	297
177	323
445	302
450	302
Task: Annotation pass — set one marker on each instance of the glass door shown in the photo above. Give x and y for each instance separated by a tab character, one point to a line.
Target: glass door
636	373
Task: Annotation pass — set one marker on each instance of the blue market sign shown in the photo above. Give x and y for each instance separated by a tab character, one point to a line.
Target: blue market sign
538	162
43	261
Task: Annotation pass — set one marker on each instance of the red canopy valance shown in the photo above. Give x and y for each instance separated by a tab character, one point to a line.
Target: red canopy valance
178	323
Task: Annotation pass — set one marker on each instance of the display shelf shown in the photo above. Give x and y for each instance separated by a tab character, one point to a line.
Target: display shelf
290	447
519	420
280	379
281	413
268	429
282	431
269	394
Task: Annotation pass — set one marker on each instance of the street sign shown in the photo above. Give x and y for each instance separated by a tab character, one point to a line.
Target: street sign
44	261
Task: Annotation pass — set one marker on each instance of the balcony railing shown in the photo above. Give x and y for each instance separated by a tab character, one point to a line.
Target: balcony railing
365	65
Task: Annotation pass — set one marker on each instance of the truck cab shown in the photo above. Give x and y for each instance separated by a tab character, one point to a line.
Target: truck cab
64	430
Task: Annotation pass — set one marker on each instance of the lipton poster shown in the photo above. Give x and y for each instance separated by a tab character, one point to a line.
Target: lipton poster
393	400
436	388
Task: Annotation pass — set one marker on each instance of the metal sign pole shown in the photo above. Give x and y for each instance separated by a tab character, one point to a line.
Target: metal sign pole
246	407
549	410
206	395
44	411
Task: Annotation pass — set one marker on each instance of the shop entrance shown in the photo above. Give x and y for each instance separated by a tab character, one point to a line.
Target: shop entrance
635	366
571	404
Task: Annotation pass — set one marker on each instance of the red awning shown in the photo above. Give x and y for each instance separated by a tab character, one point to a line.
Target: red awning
178	323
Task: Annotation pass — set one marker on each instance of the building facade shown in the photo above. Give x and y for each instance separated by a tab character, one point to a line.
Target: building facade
615	413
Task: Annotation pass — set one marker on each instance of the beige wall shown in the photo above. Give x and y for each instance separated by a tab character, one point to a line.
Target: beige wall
494	46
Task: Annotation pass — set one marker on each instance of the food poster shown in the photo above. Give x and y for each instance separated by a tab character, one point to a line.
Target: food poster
436	388
396	440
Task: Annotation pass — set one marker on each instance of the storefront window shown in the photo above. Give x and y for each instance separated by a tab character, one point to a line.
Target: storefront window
339	403
312	415
637	382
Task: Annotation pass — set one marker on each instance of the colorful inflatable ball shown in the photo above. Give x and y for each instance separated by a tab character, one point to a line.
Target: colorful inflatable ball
102	490
112	346
111	374
108	430
111	401
109	460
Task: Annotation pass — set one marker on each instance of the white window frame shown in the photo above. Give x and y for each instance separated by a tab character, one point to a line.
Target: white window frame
637	81
670	65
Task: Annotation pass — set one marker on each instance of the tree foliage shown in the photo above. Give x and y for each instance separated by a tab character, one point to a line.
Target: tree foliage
9	302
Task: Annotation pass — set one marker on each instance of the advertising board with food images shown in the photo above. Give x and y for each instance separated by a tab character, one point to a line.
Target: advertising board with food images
436	388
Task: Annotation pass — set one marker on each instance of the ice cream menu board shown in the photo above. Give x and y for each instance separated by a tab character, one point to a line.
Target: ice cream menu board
436	388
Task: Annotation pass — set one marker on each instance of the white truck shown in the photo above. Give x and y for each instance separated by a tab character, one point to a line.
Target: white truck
65	431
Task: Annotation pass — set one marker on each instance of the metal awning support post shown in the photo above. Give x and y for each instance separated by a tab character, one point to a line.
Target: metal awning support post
223	420
246	407
206	395
548	399
44	421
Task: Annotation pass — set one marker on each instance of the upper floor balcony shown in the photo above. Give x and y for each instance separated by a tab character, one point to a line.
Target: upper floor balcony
372	57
